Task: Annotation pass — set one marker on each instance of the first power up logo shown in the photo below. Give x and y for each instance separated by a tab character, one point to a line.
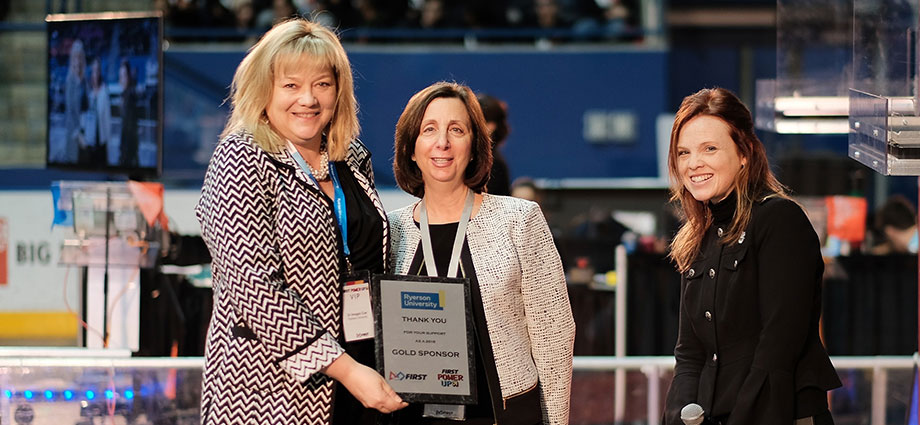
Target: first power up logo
422	300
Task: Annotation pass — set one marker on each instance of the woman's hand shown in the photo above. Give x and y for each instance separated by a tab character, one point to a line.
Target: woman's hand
365	384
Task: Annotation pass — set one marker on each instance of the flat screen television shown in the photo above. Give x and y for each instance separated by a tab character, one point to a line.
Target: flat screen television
105	93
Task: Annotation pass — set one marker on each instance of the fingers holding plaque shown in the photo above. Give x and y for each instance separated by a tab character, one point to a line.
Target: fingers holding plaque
424	338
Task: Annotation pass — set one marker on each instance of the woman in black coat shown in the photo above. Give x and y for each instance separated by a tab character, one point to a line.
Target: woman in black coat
748	350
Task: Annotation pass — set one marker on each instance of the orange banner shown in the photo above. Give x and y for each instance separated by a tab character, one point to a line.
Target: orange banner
846	217
149	198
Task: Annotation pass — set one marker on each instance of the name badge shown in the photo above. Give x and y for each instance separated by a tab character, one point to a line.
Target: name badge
357	316
455	412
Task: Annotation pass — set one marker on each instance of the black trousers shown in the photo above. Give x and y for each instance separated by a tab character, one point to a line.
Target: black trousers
823	418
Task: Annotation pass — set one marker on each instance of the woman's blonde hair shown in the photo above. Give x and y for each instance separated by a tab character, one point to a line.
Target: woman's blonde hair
753	183
286	44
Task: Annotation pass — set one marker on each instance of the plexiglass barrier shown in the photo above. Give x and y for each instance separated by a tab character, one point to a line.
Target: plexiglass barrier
87	391
867	141
824	48
883	46
884	121
108	226
813	62
813	48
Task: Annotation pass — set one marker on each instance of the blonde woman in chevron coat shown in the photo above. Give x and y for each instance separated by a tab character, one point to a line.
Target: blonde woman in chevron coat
274	350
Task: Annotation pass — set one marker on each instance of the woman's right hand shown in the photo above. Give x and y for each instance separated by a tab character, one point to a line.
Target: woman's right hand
365	384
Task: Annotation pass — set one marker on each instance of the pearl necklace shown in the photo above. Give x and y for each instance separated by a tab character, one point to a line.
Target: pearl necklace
323	172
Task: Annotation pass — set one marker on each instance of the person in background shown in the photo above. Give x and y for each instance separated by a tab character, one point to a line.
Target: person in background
526	188
75	101
244	14
748	349
288	181
279	11
176	312
496	115
214	14
522	318
180	13
433	14
129	136
100	105
896	221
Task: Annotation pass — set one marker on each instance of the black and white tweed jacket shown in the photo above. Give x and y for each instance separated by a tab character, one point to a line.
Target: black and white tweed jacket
524	296
273	238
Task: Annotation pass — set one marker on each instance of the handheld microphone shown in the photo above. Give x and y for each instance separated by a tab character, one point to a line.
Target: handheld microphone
692	414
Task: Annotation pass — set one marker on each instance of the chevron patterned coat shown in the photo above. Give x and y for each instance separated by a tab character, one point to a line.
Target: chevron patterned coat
273	238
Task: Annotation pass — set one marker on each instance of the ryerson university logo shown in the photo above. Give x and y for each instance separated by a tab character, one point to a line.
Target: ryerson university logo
422	300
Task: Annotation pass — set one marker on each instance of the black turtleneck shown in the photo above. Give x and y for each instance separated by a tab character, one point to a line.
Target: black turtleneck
724	210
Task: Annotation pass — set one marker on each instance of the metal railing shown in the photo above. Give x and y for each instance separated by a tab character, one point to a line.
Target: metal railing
13	361
654	367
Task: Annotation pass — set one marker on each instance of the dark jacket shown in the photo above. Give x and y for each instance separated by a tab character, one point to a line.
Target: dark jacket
748	349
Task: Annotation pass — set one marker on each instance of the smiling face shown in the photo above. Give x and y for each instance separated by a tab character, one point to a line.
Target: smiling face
302	102
707	158
444	144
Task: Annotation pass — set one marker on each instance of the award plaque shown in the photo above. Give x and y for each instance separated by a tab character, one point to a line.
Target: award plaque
424	338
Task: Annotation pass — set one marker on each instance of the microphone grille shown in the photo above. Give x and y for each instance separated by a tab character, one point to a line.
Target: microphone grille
691	411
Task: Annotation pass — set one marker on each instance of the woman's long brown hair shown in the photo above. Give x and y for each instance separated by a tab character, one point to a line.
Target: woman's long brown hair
753	183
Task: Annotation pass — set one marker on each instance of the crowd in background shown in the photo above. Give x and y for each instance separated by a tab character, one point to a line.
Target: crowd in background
603	18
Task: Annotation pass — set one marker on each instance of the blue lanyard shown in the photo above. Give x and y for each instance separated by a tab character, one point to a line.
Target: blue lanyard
340	211
339	195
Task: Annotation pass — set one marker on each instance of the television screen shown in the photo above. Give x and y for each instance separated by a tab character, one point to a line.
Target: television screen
105	91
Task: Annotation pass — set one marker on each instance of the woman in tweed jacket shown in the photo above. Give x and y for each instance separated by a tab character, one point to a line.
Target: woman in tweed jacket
274	350
524	325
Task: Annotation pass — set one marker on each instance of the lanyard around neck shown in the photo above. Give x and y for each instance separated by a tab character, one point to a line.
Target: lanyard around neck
341	212
458	238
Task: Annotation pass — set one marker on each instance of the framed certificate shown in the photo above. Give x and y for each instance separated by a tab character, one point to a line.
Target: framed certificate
424	338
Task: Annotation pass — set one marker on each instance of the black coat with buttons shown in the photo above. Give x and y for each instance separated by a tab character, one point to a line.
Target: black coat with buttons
748	349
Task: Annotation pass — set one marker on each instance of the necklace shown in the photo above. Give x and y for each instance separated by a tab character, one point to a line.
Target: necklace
323	172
